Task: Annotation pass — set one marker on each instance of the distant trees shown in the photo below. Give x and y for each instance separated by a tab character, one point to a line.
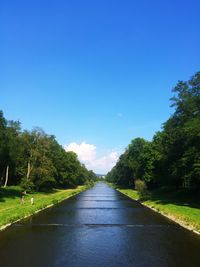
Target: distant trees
11	152
36	161
3	145
172	158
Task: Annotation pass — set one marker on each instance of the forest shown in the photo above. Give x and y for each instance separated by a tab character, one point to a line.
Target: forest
36	161
172	157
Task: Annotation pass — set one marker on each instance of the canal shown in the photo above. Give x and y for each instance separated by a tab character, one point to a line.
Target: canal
99	227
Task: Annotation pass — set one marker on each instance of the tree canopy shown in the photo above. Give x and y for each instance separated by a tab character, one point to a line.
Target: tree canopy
36	161
172	158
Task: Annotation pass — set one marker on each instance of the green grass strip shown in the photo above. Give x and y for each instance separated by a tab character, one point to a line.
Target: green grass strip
11	208
180	207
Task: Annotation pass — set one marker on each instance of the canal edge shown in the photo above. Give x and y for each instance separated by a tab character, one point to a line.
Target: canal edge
4	227
170	217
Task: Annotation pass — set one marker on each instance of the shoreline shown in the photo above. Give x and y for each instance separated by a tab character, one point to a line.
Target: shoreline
5	226
168	216
173	218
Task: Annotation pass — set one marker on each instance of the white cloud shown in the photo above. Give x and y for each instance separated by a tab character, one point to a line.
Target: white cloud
105	163
87	154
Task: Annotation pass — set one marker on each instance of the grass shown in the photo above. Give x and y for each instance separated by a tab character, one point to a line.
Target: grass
180	206
130	193
11	208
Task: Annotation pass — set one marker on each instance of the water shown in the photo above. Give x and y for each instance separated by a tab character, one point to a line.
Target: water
99	227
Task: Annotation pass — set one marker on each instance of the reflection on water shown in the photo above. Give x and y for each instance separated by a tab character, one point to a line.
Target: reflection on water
99	227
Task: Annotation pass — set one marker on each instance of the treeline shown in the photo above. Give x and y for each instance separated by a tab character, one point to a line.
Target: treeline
35	160
172	158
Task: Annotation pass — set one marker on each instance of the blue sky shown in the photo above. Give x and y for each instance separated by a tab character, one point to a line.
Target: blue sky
95	73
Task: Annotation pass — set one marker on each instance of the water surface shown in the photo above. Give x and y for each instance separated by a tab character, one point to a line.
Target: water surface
99	227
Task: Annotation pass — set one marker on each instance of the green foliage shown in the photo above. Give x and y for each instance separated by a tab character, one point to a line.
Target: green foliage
89	183
26	185
141	188
36	161
172	158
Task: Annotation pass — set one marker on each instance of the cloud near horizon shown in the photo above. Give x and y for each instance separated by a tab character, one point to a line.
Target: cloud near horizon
87	154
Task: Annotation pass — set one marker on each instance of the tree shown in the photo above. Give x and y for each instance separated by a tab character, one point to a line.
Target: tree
3	125
12	148
35	160
172	158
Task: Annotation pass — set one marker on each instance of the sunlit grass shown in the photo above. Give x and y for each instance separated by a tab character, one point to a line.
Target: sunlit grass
179	206
129	192
11	208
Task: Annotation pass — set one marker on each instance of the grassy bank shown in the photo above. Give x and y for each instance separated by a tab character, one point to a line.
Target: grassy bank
180	206
11	208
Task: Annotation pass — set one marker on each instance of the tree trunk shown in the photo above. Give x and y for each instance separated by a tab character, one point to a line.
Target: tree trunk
28	171
7	173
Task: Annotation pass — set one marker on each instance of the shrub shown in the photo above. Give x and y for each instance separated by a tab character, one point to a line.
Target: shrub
89	183
141	187
27	185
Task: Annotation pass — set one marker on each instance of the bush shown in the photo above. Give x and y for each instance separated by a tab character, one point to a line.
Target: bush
141	187
89	183
27	185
